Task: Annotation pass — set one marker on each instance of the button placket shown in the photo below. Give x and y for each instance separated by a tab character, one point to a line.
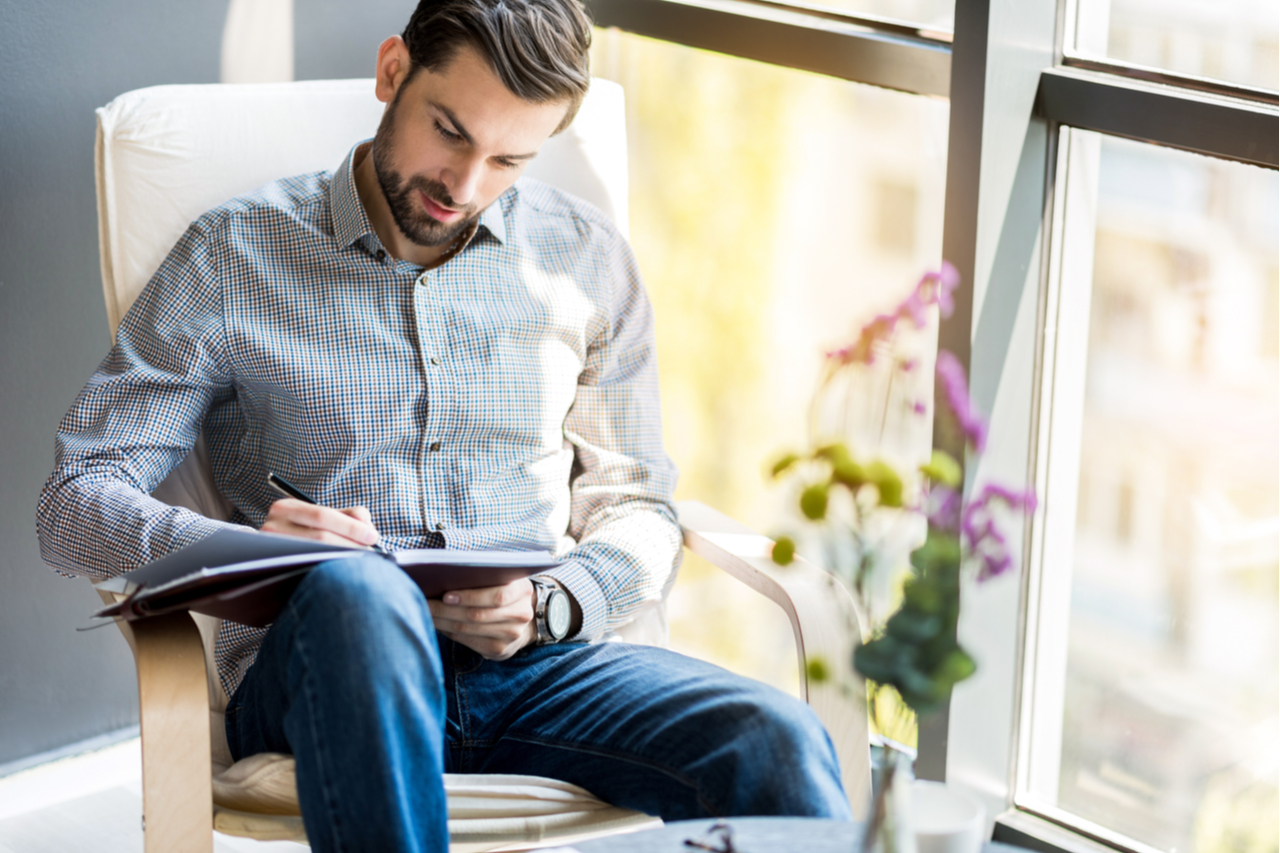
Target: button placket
433	475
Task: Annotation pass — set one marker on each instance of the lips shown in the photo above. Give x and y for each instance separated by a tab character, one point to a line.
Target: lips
439	212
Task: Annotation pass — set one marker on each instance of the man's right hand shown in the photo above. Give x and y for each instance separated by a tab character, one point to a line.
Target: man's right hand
346	527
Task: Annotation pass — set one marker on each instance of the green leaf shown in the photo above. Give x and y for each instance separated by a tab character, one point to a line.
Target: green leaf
783	464
917	688
940	552
882	659
922	597
913	626
943	468
872	661
887	481
784	550
955	667
817	670
813	501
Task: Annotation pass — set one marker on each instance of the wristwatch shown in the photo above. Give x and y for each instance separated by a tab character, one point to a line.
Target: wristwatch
550	612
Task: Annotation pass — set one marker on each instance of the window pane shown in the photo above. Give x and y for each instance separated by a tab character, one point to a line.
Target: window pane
1169	727
771	212
1230	40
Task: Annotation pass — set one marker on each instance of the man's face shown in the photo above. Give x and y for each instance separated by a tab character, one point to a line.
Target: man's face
450	142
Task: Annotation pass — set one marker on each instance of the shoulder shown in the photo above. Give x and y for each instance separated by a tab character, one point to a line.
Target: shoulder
547	212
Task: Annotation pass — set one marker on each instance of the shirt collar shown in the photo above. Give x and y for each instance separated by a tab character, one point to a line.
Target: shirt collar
494	219
351	223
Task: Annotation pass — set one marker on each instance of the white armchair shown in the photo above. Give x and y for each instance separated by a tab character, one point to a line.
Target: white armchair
164	156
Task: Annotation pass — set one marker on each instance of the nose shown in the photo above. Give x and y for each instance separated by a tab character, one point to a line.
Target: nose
462	178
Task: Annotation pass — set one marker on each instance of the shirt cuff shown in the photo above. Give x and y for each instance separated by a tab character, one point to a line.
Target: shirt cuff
586	590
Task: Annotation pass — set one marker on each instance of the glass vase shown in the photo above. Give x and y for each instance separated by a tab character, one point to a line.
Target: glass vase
889	827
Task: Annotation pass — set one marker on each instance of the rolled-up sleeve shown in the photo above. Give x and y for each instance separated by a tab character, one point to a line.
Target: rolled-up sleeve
622	517
135	420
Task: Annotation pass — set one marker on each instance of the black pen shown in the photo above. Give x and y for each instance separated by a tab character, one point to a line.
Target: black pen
289	490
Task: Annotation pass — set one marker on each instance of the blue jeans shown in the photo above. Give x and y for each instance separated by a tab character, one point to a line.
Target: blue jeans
353	680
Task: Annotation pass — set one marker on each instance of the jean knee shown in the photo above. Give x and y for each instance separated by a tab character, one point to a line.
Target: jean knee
784	759
785	725
364	594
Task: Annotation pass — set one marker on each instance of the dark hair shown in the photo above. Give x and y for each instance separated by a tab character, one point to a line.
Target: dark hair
538	48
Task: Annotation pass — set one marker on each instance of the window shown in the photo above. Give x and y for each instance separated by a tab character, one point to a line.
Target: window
772	211
1164	726
1119	266
1234	41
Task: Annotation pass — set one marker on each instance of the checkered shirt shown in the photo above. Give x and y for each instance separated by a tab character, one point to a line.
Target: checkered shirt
507	398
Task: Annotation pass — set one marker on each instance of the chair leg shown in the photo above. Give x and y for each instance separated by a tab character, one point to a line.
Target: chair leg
173	701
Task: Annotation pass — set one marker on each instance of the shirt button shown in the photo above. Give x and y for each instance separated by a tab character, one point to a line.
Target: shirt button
439	525
382	255
435	361
435	446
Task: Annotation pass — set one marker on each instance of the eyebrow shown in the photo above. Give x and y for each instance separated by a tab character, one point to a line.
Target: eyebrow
462	131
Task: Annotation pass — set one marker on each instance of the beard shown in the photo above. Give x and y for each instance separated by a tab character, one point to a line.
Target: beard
402	194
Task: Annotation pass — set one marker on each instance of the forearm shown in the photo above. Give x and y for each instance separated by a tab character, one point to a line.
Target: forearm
99	525
624	560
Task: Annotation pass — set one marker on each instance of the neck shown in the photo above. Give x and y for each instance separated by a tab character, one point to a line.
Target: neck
379	213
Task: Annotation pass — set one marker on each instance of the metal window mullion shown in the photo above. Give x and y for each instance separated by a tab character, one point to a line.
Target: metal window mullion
1234	129
792	39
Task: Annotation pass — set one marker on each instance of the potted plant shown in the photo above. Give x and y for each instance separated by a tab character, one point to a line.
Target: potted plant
899	531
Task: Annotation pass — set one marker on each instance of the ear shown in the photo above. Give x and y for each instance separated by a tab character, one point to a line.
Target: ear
393	68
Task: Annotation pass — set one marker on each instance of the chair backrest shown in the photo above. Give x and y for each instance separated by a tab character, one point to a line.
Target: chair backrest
166	154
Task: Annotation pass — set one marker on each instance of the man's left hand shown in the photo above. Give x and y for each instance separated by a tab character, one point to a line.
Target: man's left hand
496	621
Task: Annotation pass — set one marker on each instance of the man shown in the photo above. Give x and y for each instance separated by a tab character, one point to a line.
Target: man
461	361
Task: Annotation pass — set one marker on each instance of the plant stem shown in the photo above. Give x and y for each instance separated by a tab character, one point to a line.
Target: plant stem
888	392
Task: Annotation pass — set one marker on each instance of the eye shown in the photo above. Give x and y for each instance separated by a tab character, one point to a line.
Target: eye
507	164
448	134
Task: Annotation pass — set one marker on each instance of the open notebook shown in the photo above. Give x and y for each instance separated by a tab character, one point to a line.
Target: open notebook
247	576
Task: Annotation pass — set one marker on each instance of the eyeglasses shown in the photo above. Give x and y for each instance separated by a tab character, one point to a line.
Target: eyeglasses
717	839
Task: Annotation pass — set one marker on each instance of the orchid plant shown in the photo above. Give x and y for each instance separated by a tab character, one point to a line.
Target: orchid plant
899	530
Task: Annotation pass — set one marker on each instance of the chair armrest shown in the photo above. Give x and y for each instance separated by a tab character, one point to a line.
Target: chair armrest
173	710
824	623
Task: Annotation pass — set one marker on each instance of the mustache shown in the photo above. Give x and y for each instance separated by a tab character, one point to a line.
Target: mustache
436	191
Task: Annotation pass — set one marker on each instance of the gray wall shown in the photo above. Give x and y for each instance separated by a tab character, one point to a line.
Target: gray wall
58	61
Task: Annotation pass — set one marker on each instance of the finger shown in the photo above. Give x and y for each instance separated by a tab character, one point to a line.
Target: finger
518	613
360	512
493	648
506	632
492	596
328	537
303	514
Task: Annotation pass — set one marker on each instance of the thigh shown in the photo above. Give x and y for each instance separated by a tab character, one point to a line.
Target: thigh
351	627
646	728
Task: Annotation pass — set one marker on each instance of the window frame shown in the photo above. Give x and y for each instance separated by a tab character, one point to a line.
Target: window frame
1016	87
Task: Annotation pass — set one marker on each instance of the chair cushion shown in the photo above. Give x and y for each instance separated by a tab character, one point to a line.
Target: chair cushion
257	797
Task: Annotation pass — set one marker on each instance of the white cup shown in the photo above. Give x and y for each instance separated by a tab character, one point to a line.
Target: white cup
946	820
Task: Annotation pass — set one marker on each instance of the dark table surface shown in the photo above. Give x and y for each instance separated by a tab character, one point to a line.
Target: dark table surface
750	835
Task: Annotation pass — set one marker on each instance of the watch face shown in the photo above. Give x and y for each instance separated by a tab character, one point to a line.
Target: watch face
558	615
